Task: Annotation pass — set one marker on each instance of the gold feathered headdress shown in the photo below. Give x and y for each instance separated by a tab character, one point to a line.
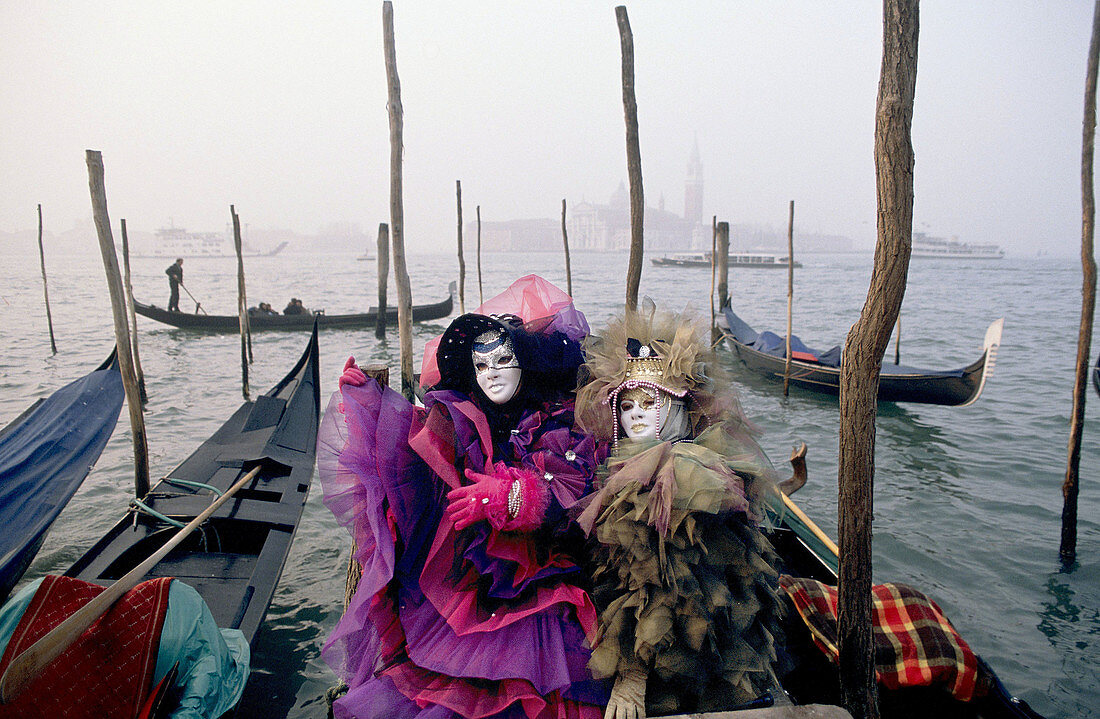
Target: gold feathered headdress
646	348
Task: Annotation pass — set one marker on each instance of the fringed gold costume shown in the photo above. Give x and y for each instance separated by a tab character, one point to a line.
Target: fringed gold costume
683	579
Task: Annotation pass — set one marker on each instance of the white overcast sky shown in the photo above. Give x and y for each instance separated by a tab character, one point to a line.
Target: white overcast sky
280	109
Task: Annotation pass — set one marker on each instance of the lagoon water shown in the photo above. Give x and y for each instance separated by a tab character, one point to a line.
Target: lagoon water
967	500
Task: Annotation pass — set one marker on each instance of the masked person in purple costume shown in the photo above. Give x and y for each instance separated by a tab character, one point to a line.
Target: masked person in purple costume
471	603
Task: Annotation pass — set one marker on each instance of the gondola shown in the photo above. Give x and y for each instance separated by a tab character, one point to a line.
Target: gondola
817	371
234	560
231	323
45	454
804	551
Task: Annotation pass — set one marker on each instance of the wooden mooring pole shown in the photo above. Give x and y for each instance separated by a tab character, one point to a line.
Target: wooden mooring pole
94	160
722	262
565	241
131	313
633	161
480	291
713	276
397	221
461	259
45	289
790	299
864	348
897	342
242	304
383	278
1068	547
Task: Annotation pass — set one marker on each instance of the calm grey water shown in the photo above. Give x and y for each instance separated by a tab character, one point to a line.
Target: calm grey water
967	500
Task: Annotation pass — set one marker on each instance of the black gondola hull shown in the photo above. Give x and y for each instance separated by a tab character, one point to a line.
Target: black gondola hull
958	387
236	558
231	323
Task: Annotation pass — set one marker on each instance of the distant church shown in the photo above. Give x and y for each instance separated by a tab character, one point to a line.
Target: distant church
606	227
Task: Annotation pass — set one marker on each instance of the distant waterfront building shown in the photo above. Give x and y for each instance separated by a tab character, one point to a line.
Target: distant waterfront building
606	227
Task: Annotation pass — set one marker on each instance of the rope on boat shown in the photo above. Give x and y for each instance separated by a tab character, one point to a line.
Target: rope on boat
195	485
143	507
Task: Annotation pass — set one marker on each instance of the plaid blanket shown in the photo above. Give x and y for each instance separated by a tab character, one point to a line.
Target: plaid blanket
915	644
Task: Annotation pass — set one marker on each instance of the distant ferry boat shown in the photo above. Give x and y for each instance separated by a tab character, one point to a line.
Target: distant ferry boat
178	242
925	246
744	259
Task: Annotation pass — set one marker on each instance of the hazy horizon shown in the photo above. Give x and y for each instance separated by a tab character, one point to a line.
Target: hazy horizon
281	112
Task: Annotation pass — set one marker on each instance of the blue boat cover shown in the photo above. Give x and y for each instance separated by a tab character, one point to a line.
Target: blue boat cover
775	345
44	456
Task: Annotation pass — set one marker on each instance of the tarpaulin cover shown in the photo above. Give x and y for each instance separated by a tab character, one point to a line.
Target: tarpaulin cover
44	456
212	664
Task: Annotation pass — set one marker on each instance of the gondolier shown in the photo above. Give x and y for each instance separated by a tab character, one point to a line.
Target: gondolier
175	279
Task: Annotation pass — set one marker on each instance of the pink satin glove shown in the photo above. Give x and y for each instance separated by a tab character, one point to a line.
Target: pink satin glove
486	498
352	374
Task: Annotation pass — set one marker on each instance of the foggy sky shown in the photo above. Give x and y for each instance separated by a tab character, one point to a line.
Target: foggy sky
280	109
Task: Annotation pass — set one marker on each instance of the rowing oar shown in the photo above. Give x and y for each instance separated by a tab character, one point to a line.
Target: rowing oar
25	667
809	523
198	305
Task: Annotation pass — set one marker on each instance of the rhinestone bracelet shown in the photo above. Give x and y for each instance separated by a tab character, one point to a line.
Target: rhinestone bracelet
515	499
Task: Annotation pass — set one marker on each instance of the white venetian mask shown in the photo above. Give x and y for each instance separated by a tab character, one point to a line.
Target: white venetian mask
496	367
639	413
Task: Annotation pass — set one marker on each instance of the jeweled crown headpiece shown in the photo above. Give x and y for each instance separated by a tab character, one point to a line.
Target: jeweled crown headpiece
660	351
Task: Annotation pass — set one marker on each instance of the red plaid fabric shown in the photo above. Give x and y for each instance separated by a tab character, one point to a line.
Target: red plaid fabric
108	671
915	644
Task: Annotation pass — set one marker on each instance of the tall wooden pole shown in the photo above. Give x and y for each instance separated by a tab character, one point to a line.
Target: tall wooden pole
1068	548
383	278
722	262
633	161
713	276
897	343
565	241
45	289
131	313
94	160
480	291
242	304
397	219
865	346
790	299
461	259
